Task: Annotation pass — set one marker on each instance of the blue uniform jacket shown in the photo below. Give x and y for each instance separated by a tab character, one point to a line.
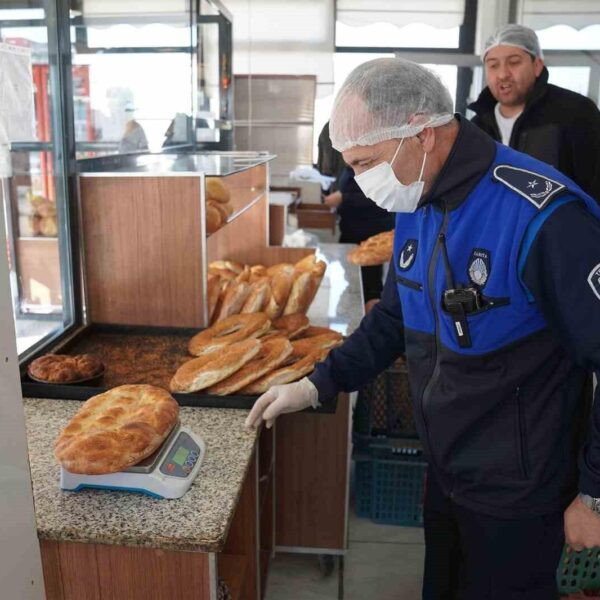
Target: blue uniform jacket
498	390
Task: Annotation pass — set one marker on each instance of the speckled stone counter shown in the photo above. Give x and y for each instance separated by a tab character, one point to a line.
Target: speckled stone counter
199	521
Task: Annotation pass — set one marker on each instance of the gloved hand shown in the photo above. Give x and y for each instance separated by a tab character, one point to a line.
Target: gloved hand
283	399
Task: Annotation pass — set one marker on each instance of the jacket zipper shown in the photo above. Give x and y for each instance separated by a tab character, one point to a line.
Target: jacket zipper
522	431
436	369
409	283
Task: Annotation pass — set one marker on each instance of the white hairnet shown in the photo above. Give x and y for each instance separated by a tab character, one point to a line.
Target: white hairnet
515	35
387	98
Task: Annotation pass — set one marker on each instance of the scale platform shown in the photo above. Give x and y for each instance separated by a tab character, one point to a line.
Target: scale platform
168	473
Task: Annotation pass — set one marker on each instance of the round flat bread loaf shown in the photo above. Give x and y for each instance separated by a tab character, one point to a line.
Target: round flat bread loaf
208	369
272	353
323	341
286	374
116	429
63	368
292	325
233	329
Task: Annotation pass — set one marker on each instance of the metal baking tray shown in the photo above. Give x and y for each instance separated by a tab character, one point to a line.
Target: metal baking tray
132	354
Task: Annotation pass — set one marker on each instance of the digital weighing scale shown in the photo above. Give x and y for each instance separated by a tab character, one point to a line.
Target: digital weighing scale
168	473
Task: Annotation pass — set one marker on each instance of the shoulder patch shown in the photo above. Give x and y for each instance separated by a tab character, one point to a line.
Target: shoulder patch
536	188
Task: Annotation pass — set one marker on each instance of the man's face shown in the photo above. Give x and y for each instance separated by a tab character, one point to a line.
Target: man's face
511	74
406	166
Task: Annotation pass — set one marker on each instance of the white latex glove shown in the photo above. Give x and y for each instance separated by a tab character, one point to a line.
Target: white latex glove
283	399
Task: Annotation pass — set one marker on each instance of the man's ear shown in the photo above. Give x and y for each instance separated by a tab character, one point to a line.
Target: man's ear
538	66
427	139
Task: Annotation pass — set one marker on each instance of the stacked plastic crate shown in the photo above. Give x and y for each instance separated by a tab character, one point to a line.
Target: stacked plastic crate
389	465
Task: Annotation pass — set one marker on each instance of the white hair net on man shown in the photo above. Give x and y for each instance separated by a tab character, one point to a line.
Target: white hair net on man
515	35
387	98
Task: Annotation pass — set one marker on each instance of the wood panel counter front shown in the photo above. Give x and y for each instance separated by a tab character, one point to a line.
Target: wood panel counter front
103	544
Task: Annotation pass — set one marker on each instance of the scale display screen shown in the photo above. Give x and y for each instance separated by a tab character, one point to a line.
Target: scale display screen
180	456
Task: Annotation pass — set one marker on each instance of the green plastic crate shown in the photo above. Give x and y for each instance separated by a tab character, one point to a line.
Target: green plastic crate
578	571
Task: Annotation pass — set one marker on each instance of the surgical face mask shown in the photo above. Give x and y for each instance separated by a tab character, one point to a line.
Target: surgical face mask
381	185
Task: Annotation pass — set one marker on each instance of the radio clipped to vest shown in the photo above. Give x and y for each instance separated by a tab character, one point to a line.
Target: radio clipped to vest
459	303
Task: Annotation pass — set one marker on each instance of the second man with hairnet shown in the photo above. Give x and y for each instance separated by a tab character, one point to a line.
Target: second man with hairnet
522	110
494	295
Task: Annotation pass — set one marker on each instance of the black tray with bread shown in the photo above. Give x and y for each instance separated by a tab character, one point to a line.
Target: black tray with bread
131	354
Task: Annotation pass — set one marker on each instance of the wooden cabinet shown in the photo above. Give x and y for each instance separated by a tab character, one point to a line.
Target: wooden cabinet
79	571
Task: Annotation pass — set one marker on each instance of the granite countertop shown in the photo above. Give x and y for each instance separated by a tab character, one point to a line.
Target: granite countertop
339	302
199	521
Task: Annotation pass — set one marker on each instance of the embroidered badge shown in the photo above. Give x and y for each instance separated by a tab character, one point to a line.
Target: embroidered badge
407	255
536	188
479	267
594	280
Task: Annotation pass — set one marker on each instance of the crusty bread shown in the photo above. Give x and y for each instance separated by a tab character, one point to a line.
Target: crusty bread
233	299
233	329
286	374
324	341
213	290
63	368
244	275
273	352
281	285
306	264
312	331
116	429
228	265
216	190
316	276
256	299
258	270
291	325
274	269
214	220
375	250
222	273
300	295
208	369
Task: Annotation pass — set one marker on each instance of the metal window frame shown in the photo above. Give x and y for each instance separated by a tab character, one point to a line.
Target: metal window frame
462	57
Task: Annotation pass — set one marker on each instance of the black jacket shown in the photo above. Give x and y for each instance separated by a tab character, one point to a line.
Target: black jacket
360	217
500	420
557	126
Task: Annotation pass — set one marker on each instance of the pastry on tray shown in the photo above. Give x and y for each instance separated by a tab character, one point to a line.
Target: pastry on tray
116	429
65	368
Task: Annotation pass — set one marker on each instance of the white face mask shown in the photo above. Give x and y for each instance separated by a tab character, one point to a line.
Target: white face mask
381	185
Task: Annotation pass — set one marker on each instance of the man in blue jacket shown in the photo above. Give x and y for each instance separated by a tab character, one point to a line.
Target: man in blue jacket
494	295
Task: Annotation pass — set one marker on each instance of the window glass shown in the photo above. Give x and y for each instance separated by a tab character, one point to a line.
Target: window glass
563	37
407	24
573	78
133	75
34	203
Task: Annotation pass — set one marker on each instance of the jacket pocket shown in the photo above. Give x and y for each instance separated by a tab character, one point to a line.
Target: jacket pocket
409	283
489	303
521	425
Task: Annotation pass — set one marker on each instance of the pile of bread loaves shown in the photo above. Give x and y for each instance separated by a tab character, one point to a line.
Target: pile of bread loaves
282	289
249	353
375	250
218	206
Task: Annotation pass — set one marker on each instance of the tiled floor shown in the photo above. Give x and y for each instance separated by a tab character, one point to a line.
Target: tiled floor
382	563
